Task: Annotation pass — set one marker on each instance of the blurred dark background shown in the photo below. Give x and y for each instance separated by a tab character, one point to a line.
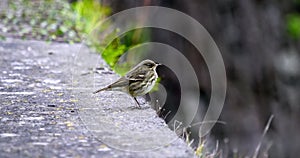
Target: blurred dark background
261	55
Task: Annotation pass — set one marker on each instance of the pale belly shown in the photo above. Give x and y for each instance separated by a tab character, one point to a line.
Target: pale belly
145	90
149	88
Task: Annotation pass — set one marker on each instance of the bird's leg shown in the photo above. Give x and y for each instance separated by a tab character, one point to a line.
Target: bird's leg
138	104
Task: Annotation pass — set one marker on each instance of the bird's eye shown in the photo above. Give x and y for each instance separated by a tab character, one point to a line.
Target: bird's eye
149	65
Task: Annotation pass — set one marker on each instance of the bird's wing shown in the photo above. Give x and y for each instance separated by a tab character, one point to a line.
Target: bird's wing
136	75
119	83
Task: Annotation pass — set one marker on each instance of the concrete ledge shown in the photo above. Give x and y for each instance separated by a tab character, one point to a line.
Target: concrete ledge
63	116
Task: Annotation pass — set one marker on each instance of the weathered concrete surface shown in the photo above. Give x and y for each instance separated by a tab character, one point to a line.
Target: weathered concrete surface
48	109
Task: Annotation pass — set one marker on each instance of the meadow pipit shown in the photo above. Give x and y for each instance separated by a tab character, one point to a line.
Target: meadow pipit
138	81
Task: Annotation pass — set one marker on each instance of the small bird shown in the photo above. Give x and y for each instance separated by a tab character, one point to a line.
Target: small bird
138	81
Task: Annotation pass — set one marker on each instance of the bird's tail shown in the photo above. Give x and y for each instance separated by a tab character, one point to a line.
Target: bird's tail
103	89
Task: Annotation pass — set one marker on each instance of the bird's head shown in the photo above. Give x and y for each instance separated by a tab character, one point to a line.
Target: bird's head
149	64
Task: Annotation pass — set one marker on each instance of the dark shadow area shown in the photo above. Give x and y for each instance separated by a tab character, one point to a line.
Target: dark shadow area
261	55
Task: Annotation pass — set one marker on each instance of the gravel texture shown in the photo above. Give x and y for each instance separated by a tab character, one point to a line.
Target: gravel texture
48	109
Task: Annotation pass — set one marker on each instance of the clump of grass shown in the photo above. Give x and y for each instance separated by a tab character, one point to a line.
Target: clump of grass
201	148
112	53
112	49
88	14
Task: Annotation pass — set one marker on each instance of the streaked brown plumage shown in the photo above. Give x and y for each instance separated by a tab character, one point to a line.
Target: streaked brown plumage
138	81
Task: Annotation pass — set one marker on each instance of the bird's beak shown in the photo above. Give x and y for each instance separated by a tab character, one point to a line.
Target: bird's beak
158	64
